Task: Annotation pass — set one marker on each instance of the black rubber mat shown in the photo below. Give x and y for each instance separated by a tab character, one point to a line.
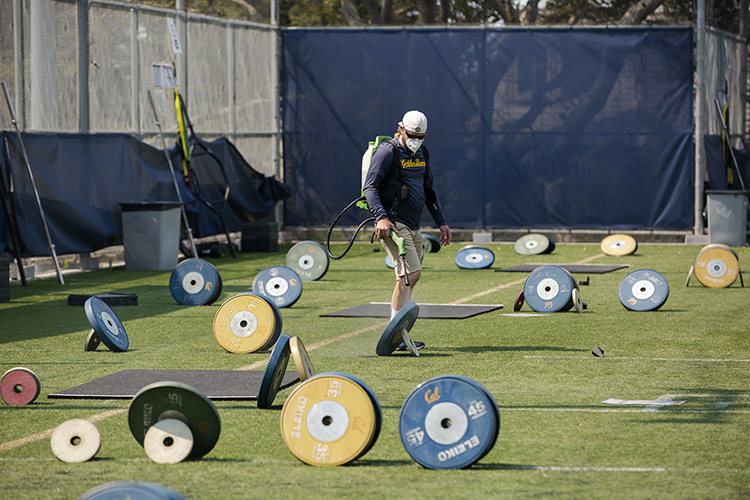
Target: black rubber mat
571	268
230	385
426	311
112	299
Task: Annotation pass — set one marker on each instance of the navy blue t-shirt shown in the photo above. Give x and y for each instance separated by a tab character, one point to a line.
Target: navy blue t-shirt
411	173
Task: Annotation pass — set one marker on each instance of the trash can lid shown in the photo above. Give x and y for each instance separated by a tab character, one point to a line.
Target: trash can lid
152	206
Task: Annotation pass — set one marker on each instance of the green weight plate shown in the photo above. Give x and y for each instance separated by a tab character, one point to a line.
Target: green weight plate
162	400
309	259
533	244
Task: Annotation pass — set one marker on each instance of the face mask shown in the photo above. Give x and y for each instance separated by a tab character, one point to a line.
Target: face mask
414	144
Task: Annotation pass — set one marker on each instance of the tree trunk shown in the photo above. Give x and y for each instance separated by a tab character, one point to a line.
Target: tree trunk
506	10
349	10
373	11
530	12
386	15
638	12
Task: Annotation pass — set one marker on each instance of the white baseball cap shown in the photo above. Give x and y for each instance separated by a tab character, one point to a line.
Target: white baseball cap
414	122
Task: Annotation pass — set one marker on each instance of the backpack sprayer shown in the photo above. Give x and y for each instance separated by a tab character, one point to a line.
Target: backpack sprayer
390	195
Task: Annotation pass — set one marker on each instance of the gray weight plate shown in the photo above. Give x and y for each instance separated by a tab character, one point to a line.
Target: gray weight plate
308	259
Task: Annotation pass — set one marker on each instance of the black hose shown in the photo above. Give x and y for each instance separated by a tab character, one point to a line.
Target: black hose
333	224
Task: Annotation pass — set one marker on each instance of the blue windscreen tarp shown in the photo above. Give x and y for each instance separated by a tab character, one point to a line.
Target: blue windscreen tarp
82	179
584	128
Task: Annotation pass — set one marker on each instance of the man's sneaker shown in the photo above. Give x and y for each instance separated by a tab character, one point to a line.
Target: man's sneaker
402	345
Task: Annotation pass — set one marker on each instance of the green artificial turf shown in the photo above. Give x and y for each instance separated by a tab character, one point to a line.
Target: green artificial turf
557	439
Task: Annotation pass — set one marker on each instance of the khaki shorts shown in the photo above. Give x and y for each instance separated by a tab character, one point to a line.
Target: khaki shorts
413	242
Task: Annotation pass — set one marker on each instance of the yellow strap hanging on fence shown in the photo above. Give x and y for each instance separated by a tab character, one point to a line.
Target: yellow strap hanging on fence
186	159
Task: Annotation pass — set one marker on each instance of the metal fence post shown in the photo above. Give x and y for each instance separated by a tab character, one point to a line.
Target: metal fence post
700	110
82	28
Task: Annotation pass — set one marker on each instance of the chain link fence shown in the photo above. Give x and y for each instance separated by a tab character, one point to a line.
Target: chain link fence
87	66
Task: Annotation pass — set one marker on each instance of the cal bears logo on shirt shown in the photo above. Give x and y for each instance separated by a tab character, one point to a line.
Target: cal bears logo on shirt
413	163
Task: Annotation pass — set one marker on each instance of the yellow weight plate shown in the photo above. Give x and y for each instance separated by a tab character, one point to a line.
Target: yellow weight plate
719	245
328	420
619	245
301	359
716	267
244	323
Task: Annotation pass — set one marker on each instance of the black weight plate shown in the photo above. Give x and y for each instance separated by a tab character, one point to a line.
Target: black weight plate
195	282
112	299
474	257
391	336
280	284
549	289
308	259
448	423
274	373
106	325
430	244
643	290
518	304
176	400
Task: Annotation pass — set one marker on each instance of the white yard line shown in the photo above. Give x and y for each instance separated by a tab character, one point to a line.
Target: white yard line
642	359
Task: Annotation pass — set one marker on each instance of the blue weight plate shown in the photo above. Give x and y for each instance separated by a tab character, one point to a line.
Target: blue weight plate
280	284
474	257
492	404
391	336
275	370
195	282
447	423
106	324
549	289
643	290
375	405
127	490
219	287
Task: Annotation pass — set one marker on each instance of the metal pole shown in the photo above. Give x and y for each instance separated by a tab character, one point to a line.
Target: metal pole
50	245
700	111
174	178
275	19
181	24
18	58
135	70
83	65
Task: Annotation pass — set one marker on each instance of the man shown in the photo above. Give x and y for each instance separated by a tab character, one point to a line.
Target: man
404	162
